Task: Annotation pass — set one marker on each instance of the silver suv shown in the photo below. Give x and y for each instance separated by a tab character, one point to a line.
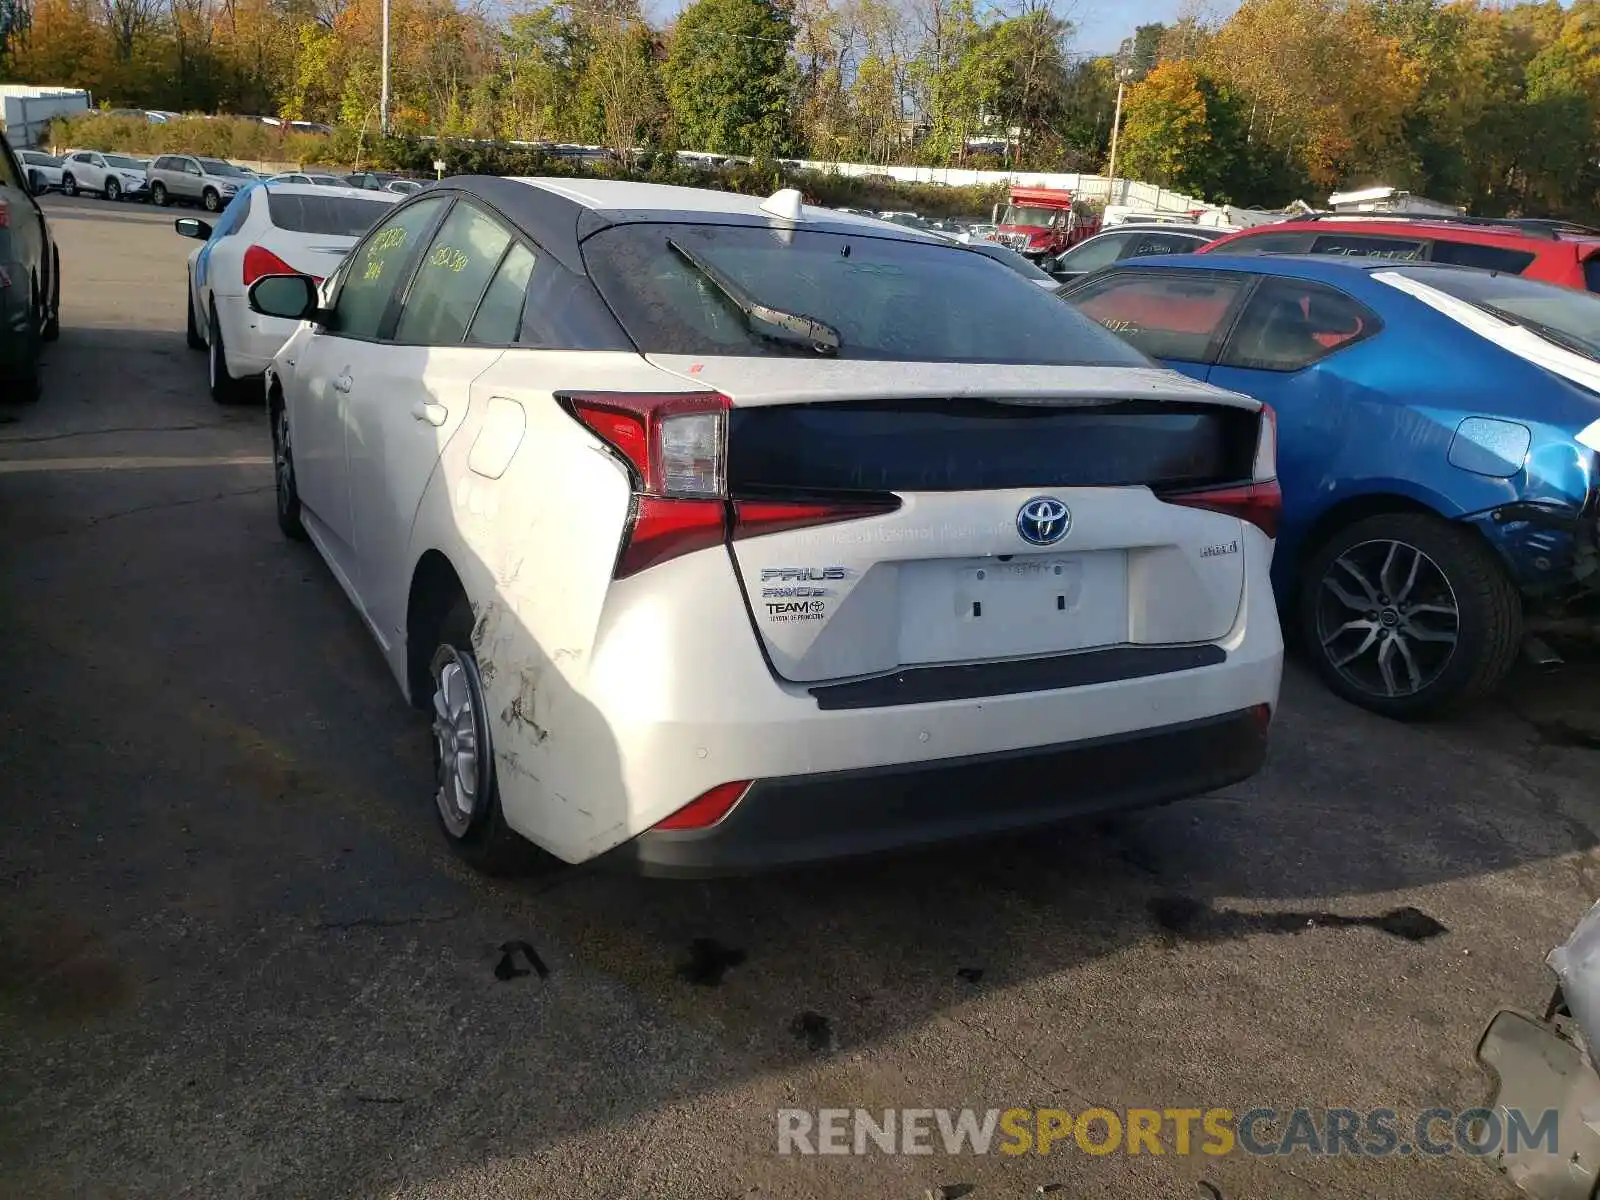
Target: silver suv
209	182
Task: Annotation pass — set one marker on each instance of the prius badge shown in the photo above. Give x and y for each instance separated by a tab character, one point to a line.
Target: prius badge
1043	521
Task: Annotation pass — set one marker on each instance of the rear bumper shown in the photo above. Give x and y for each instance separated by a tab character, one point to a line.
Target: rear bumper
844	814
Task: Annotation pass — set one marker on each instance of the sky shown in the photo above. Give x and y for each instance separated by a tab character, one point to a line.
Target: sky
1102	25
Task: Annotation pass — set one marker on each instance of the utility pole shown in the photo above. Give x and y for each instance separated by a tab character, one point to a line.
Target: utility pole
383	95
1125	75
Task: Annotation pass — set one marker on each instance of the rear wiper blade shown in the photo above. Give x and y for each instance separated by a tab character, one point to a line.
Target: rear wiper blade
763	320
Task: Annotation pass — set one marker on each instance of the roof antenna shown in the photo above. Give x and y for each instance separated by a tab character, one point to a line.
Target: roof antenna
784	204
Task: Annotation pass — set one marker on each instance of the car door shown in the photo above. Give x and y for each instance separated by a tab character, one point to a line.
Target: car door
1284	350
327	360
1178	317
192	181
407	401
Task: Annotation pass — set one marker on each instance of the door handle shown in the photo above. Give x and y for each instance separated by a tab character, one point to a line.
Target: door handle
433	414
344	383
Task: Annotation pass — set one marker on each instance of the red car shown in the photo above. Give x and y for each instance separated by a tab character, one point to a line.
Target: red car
1554	251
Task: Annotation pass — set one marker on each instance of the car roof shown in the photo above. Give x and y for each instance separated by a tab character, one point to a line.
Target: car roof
281	187
1443	229
1205	231
561	213
1324	268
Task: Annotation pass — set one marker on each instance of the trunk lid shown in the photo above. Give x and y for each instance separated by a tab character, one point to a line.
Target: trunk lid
1018	518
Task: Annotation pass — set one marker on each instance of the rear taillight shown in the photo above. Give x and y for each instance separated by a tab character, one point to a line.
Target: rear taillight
259	261
752	518
706	810
1258	502
675	446
5	215
1261	714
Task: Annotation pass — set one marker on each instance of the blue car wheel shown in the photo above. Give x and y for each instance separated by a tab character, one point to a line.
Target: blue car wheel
1409	615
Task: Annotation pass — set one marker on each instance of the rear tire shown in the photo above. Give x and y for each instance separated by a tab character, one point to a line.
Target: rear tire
52	320
225	389
1409	615
23	386
192	333
466	790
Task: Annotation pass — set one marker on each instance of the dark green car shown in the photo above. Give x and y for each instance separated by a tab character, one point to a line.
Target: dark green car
30	282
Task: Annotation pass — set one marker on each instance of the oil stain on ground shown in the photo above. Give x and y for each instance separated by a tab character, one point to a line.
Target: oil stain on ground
709	962
57	970
1195	920
814	1030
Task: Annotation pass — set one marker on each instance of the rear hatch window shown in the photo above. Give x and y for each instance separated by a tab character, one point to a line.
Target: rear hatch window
336	216
877	298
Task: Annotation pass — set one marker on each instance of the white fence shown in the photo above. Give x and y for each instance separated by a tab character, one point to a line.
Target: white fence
1146	197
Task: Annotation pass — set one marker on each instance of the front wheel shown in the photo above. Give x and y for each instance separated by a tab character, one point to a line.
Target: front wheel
211	200
1409	615
69	185
466	790
158	194
113	190
288	491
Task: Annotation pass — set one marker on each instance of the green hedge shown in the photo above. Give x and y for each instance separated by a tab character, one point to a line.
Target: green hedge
236	138
216	137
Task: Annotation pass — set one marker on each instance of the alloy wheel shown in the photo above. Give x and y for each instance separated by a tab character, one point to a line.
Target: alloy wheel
113	190
456	700
1387	619
282	460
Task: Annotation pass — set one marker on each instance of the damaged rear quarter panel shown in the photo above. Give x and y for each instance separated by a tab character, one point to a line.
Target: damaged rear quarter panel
535	550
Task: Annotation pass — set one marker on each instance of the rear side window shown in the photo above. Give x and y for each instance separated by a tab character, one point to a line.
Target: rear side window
328	216
1487	258
686	289
451	278
1591	273
1266	243
500	314
1290	324
1095	253
1165	316
1352	246
1162	243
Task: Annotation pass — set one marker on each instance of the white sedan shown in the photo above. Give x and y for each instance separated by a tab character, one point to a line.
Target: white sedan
722	533
268	228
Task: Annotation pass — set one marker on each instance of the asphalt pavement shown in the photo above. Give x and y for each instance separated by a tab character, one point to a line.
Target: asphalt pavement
237	960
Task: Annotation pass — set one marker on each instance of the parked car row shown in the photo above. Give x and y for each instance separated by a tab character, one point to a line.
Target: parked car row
194	179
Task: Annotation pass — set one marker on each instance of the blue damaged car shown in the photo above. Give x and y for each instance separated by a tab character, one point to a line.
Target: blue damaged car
1438	437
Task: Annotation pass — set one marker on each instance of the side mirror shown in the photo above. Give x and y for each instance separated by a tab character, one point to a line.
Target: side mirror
193	227
291	297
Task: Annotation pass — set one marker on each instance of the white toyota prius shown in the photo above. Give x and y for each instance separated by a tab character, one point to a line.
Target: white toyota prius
268	228
720	534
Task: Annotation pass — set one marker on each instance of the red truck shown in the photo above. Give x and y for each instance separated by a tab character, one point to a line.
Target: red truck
1040	223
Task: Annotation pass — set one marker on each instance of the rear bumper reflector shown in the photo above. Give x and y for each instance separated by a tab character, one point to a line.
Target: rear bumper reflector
928	685
708	808
842	814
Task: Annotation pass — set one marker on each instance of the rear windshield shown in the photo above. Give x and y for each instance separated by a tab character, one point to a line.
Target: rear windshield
340	216
215	166
886	299
1564	316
